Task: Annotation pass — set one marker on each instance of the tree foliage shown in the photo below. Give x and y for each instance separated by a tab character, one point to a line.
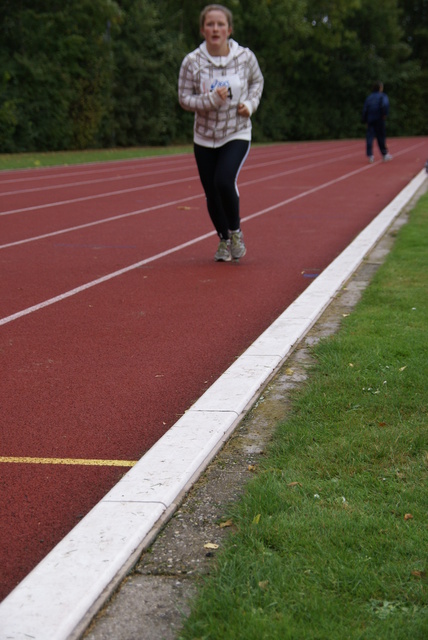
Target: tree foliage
85	73
55	69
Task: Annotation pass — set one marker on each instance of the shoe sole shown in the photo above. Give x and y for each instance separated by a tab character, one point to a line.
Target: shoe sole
241	254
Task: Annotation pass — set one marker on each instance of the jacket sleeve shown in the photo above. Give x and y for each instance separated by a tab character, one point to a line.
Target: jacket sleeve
188	96
385	105
255	84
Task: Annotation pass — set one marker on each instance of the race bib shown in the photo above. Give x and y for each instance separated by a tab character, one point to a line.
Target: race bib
231	82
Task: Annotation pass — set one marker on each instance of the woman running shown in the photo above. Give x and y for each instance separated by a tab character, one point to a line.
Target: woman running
222	84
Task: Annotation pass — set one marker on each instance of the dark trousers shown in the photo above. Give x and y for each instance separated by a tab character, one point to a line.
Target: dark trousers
218	170
376	130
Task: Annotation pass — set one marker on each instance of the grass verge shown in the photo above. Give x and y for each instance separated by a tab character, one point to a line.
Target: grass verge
331	535
49	159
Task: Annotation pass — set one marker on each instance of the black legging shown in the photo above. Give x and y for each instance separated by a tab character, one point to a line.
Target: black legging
218	169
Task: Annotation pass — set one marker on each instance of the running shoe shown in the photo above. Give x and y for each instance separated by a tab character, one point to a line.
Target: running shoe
371	159
387	157
223	252
237	245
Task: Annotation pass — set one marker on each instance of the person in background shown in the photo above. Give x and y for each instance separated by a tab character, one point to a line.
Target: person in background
221	82
375	112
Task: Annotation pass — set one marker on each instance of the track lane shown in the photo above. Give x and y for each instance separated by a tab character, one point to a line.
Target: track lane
79	246
84	251
50	175
58	194
101	374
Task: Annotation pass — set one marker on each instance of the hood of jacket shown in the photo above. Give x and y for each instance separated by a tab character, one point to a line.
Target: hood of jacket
220	61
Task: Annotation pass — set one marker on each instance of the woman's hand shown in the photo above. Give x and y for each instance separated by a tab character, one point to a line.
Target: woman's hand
243	110
222	92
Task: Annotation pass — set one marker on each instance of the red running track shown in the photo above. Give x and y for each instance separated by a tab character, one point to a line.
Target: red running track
114	318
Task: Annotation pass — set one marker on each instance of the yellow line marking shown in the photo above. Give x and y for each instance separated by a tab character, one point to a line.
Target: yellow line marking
71	461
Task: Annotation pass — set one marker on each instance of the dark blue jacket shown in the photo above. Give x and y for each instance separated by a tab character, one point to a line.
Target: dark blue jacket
376	107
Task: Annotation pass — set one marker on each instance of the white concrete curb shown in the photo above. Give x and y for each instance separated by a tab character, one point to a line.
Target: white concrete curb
62	591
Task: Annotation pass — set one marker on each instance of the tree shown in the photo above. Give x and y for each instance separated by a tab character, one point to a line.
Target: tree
85	73
274	30
54	65
412	91
146	58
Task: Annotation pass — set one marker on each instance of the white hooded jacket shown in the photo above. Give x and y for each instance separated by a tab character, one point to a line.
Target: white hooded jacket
217	123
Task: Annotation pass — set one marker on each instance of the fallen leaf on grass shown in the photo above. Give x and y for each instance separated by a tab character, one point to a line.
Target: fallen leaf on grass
263	584
210	545
256	518
289	372
252	467
294	484
408	516
402	368
228	523
419	574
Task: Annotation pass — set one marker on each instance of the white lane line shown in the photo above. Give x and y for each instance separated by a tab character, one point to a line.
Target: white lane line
163	254
120	216
110	276
180	181
144	174
82	169
97	196
167	204
110	166
157	185
71	185
58	597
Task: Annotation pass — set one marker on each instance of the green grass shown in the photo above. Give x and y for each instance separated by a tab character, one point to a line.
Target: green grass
337	555
48	159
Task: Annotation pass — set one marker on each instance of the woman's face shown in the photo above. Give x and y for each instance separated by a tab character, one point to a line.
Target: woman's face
216	31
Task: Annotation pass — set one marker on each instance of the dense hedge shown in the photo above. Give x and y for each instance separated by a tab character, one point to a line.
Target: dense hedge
76	74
